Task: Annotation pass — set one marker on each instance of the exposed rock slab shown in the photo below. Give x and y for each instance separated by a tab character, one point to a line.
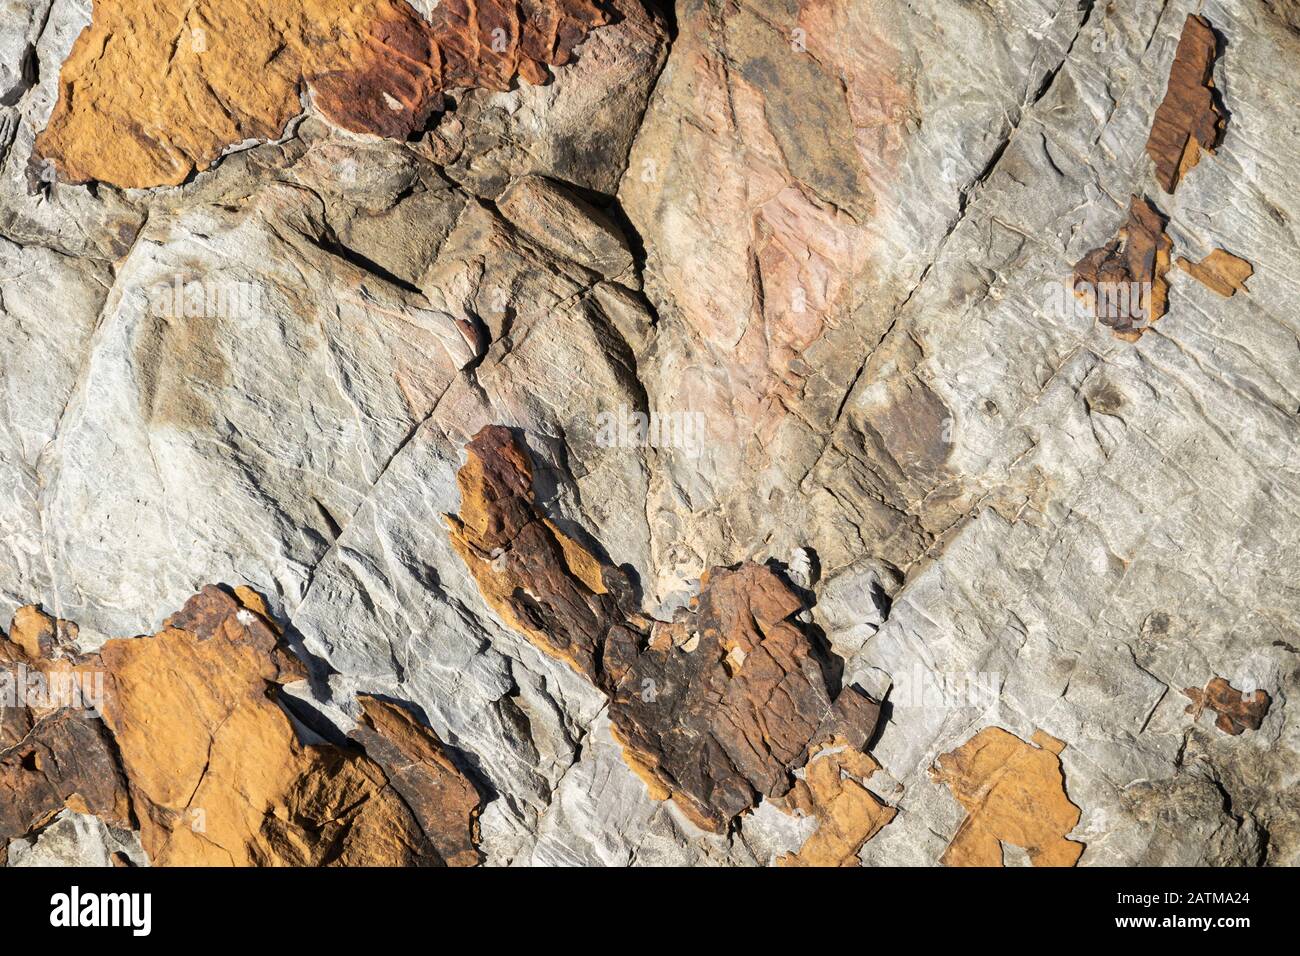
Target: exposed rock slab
78	839
837	255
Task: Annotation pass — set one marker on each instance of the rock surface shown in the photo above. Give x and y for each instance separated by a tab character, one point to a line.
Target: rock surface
215	75
713	710
185	741
1188	119
780	300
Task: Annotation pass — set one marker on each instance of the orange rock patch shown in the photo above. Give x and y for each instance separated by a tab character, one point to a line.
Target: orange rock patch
154	90
1013	792
834	791
194	751
1220	271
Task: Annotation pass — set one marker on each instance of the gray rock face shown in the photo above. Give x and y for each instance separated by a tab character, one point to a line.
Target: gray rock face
75	839
779	282
33	209
24	20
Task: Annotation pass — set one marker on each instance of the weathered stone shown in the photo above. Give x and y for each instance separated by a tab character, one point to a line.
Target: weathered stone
213	76
66	760
443	800
230	782
18	47
1189	119
577	129
1123	282
55	752
78	839
1237	711
1013	793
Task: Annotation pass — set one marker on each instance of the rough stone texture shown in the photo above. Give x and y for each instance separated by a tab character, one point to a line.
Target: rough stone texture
714	709
187	742
443	801
24	22
1188	119
217	74
833	792
65	760
827	249
578	128
55	752
95	228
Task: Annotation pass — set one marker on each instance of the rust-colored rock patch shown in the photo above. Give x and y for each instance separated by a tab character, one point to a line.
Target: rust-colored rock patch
1123	282
195	751
1013	792
55	753
1220	271
206	75
714	709
1237	712
1188	119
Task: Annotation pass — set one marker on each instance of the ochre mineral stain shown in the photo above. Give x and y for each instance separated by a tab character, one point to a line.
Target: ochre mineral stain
1013	792
194	751
1237	712
1188	120
833	790
1123	282
715	709
1220	271
156	89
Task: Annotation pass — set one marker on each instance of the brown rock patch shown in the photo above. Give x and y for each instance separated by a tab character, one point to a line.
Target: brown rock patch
193	745
1236	711
1188	118
1123	282
714	709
